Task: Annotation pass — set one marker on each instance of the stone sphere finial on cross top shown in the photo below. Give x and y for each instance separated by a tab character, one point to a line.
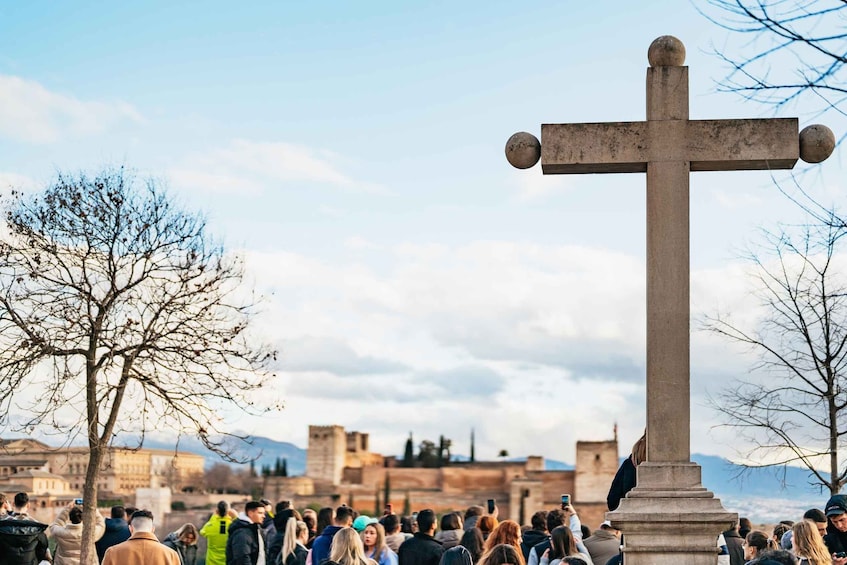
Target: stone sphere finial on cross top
666	51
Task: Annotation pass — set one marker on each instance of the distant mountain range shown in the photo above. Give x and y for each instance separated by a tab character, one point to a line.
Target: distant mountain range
764	495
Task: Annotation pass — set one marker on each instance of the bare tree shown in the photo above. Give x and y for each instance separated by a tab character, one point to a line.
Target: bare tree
791	408
220	478
118	313
791	48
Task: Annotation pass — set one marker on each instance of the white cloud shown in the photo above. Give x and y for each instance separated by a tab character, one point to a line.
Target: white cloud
255	167
550	339
30	112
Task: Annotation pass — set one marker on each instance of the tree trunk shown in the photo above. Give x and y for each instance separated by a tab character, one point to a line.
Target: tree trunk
88	554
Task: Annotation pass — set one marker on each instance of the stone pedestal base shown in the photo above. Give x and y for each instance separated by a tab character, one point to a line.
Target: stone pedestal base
669	518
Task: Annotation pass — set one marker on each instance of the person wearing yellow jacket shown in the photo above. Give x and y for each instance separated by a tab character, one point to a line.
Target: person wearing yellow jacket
215	532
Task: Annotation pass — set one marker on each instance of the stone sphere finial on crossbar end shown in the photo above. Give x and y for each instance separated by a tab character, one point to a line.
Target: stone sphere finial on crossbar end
817	142
523	150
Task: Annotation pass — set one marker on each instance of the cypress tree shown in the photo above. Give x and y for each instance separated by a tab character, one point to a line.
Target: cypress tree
387	493
440	451
473	457
284	471
409	453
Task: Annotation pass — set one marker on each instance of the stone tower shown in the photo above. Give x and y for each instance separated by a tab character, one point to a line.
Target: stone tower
325	457
596	465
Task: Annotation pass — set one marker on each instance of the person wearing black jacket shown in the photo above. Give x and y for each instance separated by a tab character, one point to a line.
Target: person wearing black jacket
22	542
117	531
536	535
422	548
246	539
734	544
625	478
836	529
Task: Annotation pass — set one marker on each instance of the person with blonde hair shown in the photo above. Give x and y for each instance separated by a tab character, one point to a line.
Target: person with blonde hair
808	544
347	548
508	532
295	536
373	538
184	542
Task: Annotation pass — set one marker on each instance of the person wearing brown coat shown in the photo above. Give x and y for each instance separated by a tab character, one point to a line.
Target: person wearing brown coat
142	547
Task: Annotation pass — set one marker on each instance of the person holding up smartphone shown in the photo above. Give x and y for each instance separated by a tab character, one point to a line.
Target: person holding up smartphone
66	529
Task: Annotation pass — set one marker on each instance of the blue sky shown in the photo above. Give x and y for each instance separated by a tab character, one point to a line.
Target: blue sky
353	151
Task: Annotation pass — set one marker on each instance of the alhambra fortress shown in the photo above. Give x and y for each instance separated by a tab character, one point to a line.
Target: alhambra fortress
340	468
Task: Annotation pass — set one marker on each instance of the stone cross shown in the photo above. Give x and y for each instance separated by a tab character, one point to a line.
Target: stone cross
668	146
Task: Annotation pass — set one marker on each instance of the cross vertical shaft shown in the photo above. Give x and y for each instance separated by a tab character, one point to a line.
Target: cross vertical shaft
668	318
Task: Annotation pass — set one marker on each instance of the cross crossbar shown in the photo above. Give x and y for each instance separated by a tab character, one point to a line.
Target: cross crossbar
709	145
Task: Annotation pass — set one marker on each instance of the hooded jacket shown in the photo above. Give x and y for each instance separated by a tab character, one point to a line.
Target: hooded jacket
22	542
449	538
531	538
187	553
244	542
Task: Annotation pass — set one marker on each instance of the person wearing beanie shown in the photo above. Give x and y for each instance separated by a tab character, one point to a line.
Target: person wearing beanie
836	529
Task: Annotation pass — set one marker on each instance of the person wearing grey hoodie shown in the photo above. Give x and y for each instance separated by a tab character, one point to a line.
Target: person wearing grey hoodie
451	530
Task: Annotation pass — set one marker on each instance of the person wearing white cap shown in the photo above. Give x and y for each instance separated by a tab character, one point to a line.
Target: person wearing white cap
604	543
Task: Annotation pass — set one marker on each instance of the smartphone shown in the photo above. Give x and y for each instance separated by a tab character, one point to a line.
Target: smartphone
388	509
78	501
566	500
491	506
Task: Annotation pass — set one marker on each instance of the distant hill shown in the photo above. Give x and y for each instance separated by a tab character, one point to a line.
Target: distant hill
264	450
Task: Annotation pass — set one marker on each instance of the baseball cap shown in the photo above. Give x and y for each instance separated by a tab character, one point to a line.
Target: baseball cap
837	504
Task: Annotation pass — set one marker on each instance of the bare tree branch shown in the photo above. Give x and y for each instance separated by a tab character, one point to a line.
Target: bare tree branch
794	48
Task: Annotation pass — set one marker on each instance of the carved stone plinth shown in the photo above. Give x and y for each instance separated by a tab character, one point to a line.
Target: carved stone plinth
669	518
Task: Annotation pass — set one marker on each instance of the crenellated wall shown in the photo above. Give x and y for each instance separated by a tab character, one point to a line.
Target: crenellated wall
340	469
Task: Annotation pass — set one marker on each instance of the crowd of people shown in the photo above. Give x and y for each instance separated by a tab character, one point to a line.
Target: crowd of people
819	538
263	534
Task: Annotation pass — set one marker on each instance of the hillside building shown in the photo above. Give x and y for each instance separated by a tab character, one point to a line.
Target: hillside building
53	476
341	469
